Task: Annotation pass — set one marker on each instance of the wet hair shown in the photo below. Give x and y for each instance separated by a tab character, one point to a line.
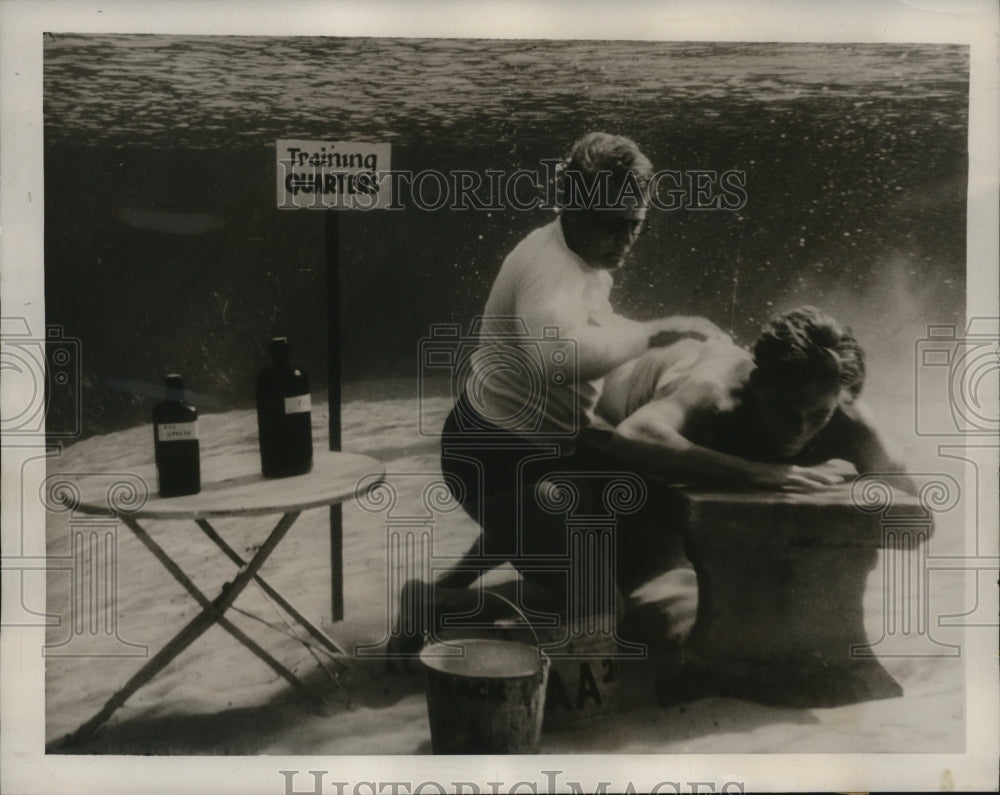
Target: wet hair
806	345
601	168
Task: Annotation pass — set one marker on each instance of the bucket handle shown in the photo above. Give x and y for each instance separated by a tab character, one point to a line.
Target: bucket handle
520	612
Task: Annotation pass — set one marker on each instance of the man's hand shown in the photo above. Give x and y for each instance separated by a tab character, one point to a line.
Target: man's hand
668	330
788	477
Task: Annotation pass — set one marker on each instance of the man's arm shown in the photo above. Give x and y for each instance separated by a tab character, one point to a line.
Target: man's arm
651	438
606	342
602	345
870	449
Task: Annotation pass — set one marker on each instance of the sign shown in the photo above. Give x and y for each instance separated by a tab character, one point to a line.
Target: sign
325	175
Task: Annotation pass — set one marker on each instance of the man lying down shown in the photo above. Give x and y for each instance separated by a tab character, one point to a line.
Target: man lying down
786	415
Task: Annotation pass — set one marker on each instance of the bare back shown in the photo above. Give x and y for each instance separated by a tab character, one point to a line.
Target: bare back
703	375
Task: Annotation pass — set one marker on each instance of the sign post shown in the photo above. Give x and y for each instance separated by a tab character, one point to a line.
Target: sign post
333	313
333	176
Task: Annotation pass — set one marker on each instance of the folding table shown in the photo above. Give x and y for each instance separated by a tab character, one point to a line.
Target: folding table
232	486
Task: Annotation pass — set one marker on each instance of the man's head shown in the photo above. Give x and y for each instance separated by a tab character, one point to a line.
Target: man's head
806	363
604	196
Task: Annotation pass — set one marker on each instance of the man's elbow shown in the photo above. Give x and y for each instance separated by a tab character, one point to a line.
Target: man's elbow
628	432
637	432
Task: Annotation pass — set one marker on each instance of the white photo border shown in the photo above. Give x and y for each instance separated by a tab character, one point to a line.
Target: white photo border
26	768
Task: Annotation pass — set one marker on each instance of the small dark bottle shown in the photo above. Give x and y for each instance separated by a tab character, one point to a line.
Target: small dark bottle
284	417
175	440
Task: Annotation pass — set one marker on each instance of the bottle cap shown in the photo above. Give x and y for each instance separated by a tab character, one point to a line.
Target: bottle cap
279	349
175	386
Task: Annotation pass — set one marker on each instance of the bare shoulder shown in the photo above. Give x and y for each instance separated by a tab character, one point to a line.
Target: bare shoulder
636	382
681	383
715	380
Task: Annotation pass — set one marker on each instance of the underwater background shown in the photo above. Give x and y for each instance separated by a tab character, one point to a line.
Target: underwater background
165	250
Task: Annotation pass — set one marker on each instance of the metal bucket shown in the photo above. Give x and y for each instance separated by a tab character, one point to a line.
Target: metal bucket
485	696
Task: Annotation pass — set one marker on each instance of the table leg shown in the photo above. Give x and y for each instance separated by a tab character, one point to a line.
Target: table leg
234	556
211	613
168	563
337	561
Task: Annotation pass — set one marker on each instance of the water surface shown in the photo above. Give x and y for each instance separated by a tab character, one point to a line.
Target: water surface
165	250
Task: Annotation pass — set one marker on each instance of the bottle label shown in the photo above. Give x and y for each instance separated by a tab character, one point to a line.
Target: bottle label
177	431
297	404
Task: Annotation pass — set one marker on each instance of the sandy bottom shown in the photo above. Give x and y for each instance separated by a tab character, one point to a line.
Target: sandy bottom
217	698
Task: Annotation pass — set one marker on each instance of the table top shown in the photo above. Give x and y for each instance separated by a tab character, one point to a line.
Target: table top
231	485
841	515
842	495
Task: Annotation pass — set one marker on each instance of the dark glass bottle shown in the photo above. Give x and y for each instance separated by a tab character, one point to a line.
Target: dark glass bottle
284	417
175	441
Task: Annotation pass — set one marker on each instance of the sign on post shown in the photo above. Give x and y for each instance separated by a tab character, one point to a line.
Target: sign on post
333	175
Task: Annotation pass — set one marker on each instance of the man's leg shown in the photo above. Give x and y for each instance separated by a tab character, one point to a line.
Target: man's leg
424	607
